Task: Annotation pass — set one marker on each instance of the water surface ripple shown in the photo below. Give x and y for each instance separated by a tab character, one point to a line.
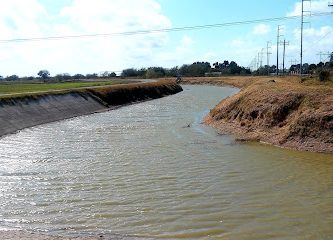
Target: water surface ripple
140	170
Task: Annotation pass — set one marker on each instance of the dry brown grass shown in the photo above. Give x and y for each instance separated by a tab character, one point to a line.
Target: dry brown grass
284	112
122	94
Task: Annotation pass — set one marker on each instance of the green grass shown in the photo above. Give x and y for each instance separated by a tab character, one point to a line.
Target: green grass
19	88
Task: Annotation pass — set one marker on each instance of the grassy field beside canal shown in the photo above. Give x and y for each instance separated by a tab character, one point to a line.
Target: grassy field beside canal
13	88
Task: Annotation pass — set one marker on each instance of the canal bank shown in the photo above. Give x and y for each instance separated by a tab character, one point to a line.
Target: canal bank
23	111
282	111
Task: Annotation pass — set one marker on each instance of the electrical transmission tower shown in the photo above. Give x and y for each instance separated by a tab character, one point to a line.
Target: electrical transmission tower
253	64
325	55
261	56
277	48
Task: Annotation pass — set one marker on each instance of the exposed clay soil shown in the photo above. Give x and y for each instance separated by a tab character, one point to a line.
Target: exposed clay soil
282	111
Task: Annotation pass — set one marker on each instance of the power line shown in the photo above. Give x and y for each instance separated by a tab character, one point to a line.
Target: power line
314	44
177	29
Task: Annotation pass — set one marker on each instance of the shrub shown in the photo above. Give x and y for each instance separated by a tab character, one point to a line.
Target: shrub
324	75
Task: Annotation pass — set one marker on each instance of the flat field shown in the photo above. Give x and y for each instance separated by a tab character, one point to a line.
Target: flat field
14	88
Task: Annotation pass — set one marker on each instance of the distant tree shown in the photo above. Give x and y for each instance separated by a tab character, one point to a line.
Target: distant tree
331	58
12	78
262	70
62	77
1	77
91	76
155	72
272	69
129	72
294	68
225	64
312	68
245	71
112	75
320	65
27	78
66	76
234	68
216	65
78	76
104	74
44	74
184	70
172	72
197	69
108	74
306	68
132	72
59	77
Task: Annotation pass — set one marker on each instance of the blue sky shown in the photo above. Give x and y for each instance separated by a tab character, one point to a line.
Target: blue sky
241	43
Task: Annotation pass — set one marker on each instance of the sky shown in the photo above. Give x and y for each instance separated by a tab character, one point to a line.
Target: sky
237	42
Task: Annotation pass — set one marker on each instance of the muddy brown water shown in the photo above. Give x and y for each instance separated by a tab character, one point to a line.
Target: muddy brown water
153	170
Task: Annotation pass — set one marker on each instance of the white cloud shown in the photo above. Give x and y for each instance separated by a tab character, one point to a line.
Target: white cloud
313	6
317	39
81	54
182	54
261	29
238	43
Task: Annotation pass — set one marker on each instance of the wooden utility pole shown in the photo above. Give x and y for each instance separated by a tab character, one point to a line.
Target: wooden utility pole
284	43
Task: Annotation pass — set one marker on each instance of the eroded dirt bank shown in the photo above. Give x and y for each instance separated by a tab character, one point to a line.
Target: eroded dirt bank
21	112
279	111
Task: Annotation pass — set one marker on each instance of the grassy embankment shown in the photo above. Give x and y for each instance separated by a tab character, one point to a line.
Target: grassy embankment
109	93
281	111
27	109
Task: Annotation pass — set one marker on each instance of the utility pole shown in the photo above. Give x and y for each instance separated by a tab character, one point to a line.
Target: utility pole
284	43
302	26
268	47
261	56
277	49
258	61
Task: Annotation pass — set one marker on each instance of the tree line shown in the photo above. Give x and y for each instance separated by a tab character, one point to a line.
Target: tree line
196	69
45	76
